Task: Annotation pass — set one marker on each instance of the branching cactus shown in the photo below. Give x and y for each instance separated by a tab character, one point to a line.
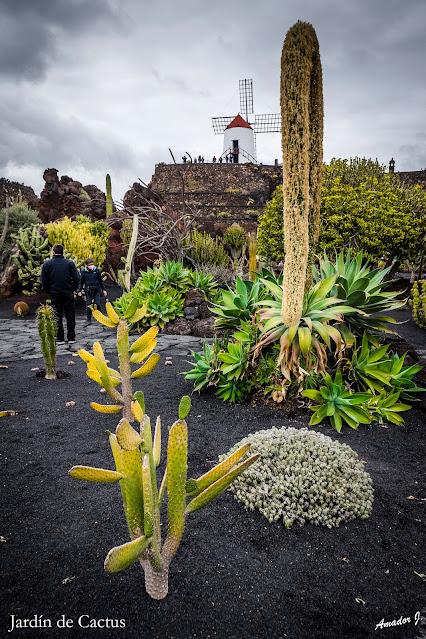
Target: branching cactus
140	353
137	457
47	329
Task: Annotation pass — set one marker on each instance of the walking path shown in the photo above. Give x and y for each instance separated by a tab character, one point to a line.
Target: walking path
19	340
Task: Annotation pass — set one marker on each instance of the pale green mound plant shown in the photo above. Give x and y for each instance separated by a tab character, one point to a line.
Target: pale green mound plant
303	477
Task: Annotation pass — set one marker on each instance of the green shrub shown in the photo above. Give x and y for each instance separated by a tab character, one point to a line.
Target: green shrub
21	216
234	241
80	238
361	207
304	477
202	248
419	303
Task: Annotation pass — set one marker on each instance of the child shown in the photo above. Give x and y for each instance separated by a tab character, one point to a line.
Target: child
91	282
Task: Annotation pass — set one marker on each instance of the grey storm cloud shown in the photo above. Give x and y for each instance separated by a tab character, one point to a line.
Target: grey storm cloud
30	31
91	86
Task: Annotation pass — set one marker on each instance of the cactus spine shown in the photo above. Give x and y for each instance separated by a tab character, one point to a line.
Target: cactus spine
136	456
47	329
302	136
108	196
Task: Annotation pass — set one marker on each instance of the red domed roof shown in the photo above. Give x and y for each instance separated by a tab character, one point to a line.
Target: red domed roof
239	122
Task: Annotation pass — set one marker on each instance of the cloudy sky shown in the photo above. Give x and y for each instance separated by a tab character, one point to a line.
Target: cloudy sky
91	86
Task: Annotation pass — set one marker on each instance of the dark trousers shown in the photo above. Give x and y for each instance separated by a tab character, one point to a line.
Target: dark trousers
63	304
92	298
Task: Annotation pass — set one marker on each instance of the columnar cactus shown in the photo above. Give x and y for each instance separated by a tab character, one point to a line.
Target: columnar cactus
252	250
137	456
47	329
140	352
108	196
302	137
33	250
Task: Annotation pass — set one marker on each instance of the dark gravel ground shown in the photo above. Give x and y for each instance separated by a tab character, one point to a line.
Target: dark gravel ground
235	575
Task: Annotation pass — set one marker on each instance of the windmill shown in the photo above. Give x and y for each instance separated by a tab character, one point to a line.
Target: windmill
239	132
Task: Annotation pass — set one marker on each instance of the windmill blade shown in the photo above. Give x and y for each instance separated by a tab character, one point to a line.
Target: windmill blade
220	124
246	97
267	123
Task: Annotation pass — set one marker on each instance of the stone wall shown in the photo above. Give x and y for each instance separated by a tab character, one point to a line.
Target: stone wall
413	177
221	194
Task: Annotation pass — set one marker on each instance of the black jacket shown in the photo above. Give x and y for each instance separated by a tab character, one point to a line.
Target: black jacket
91	280
59	275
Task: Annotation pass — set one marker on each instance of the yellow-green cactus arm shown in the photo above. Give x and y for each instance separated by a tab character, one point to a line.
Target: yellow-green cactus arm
95	475
177	463
214	490
144	340
148	497
157	442
127	437
218	471
148	367
122	557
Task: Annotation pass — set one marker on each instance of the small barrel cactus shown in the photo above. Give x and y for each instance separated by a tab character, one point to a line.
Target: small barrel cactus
47	329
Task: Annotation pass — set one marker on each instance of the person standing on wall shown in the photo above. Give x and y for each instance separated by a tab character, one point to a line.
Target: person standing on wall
60	279
91	282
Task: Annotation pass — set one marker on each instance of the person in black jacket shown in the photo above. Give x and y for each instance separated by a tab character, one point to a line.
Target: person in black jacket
91	282
60	278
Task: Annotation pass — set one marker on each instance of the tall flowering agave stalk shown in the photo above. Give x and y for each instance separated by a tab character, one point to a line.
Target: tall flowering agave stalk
302	140
137	456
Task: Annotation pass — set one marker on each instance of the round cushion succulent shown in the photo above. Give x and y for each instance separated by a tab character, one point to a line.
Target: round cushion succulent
302	477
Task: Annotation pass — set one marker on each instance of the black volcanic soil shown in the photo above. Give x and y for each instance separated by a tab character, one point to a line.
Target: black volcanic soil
235	575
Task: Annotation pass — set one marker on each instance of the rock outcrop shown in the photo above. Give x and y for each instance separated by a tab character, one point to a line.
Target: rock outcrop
13	189
66	196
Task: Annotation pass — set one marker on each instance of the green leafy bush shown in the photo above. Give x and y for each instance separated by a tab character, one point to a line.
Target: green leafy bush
20	216
235	241
202	248
81	238
362	207
238	304
161	290
163	307
419	303
304	477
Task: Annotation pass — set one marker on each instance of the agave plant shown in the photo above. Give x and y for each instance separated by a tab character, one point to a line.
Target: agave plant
148	282
362	288
234	360
206	366
304	344
233	390
370	366
402	377
386	407
174	275
334	401
239	304
163	307
375	368
203	282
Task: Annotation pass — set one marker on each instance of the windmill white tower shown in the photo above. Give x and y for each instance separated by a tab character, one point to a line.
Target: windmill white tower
239	134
